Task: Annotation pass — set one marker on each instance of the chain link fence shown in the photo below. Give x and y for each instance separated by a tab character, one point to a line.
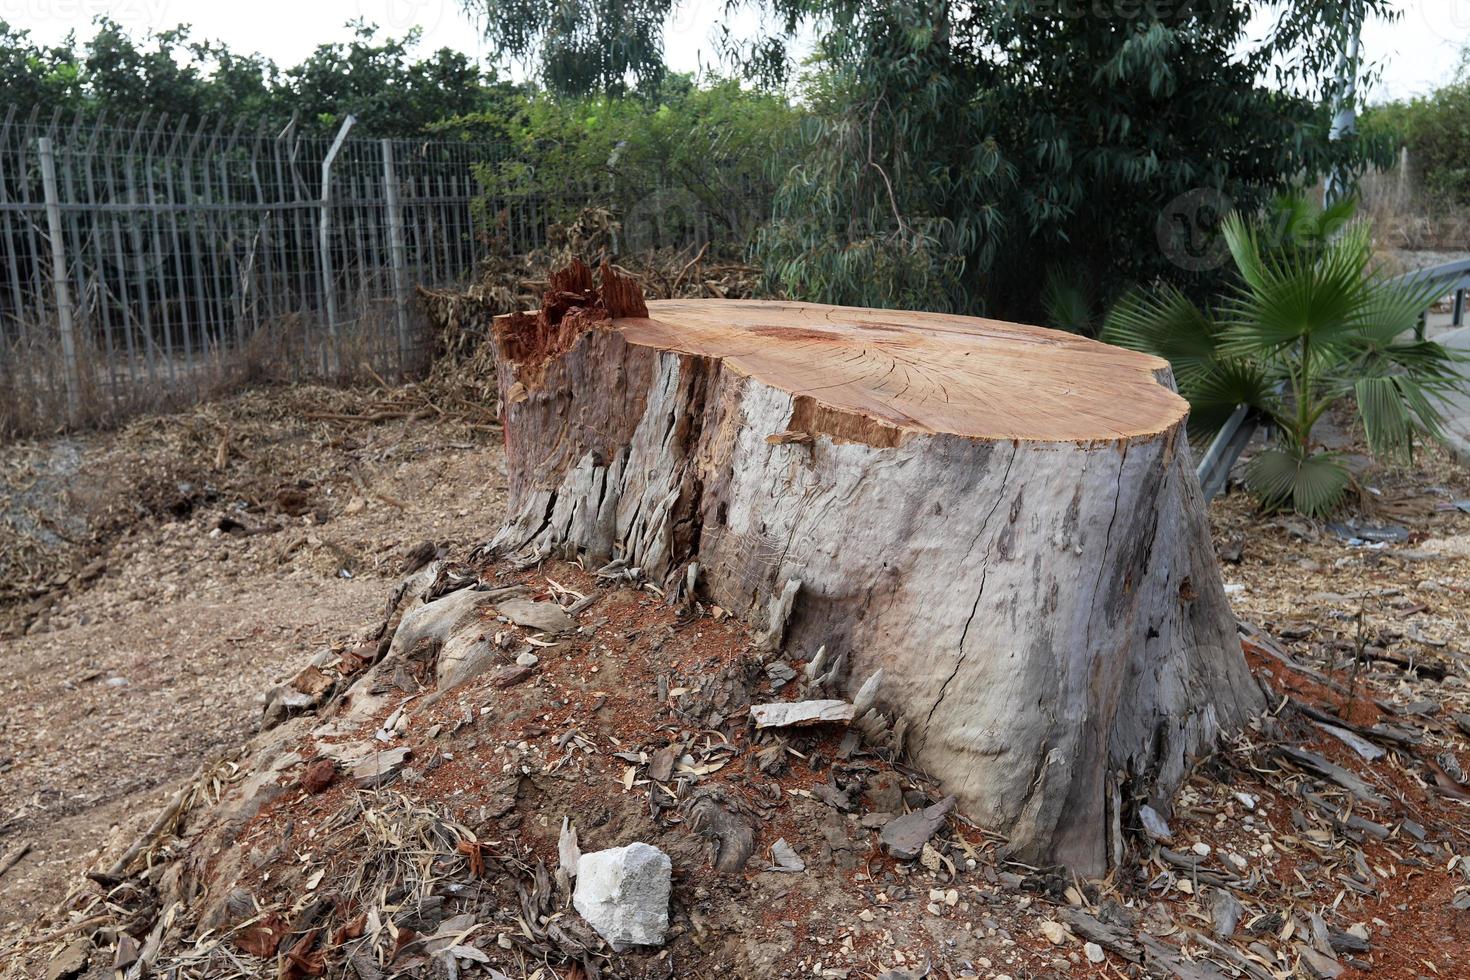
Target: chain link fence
158	262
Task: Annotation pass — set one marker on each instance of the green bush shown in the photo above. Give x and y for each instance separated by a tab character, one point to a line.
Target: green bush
1436	129
692	160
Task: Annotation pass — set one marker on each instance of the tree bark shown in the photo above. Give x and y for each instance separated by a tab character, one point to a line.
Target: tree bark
1003	518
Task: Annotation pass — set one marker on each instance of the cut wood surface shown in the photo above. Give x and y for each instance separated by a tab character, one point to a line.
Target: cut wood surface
1003	518
881	376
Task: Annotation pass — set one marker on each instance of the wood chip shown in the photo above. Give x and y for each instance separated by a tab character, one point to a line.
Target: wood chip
793	714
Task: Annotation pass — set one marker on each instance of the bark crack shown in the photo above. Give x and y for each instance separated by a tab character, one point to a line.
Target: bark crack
1108	536
979	593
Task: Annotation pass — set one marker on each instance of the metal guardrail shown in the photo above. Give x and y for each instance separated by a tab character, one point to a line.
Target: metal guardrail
1220	458
1454	276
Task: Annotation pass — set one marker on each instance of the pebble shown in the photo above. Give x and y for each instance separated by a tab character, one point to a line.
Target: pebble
528	659
1094	953
1054	932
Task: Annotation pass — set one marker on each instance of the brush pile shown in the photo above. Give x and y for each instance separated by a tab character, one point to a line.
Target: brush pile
510	283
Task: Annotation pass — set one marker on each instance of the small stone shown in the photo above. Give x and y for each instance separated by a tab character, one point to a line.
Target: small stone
1093	952
623	893
528	659
1055	932
127	952
319	776
1202	849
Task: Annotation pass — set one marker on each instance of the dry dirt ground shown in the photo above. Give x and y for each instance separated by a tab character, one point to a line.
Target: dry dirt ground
1273	865
156	631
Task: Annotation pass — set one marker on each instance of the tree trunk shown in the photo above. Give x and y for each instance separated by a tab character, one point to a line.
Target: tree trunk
1002	518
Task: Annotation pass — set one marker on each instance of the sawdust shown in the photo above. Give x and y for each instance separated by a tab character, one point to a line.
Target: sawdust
140	643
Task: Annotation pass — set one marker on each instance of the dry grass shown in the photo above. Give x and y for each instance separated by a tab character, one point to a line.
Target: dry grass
1406	217
111	387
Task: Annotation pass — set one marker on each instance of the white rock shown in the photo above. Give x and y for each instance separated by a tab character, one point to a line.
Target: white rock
623	893
1093	952
528	659
1202	849
1054	932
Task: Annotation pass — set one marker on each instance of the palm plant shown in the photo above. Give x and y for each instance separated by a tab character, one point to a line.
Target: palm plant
1309	322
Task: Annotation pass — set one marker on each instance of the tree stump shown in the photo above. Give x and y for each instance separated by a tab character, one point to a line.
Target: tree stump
1003	518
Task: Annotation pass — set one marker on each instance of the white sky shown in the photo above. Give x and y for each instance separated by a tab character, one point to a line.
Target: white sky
1419	51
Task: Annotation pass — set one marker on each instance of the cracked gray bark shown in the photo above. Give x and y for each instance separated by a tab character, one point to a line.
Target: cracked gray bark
1003	519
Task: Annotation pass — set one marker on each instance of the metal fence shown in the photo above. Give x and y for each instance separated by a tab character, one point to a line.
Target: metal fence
156	261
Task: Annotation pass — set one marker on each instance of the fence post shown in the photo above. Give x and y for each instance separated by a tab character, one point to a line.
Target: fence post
395	253
58	277
329	289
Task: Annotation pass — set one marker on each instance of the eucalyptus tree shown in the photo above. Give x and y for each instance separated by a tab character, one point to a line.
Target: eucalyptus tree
957	156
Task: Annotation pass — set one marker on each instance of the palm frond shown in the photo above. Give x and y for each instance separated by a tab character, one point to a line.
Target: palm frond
1066	303
1213	397
1390	308
1309	483
1297	295
1166	323
1392	409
